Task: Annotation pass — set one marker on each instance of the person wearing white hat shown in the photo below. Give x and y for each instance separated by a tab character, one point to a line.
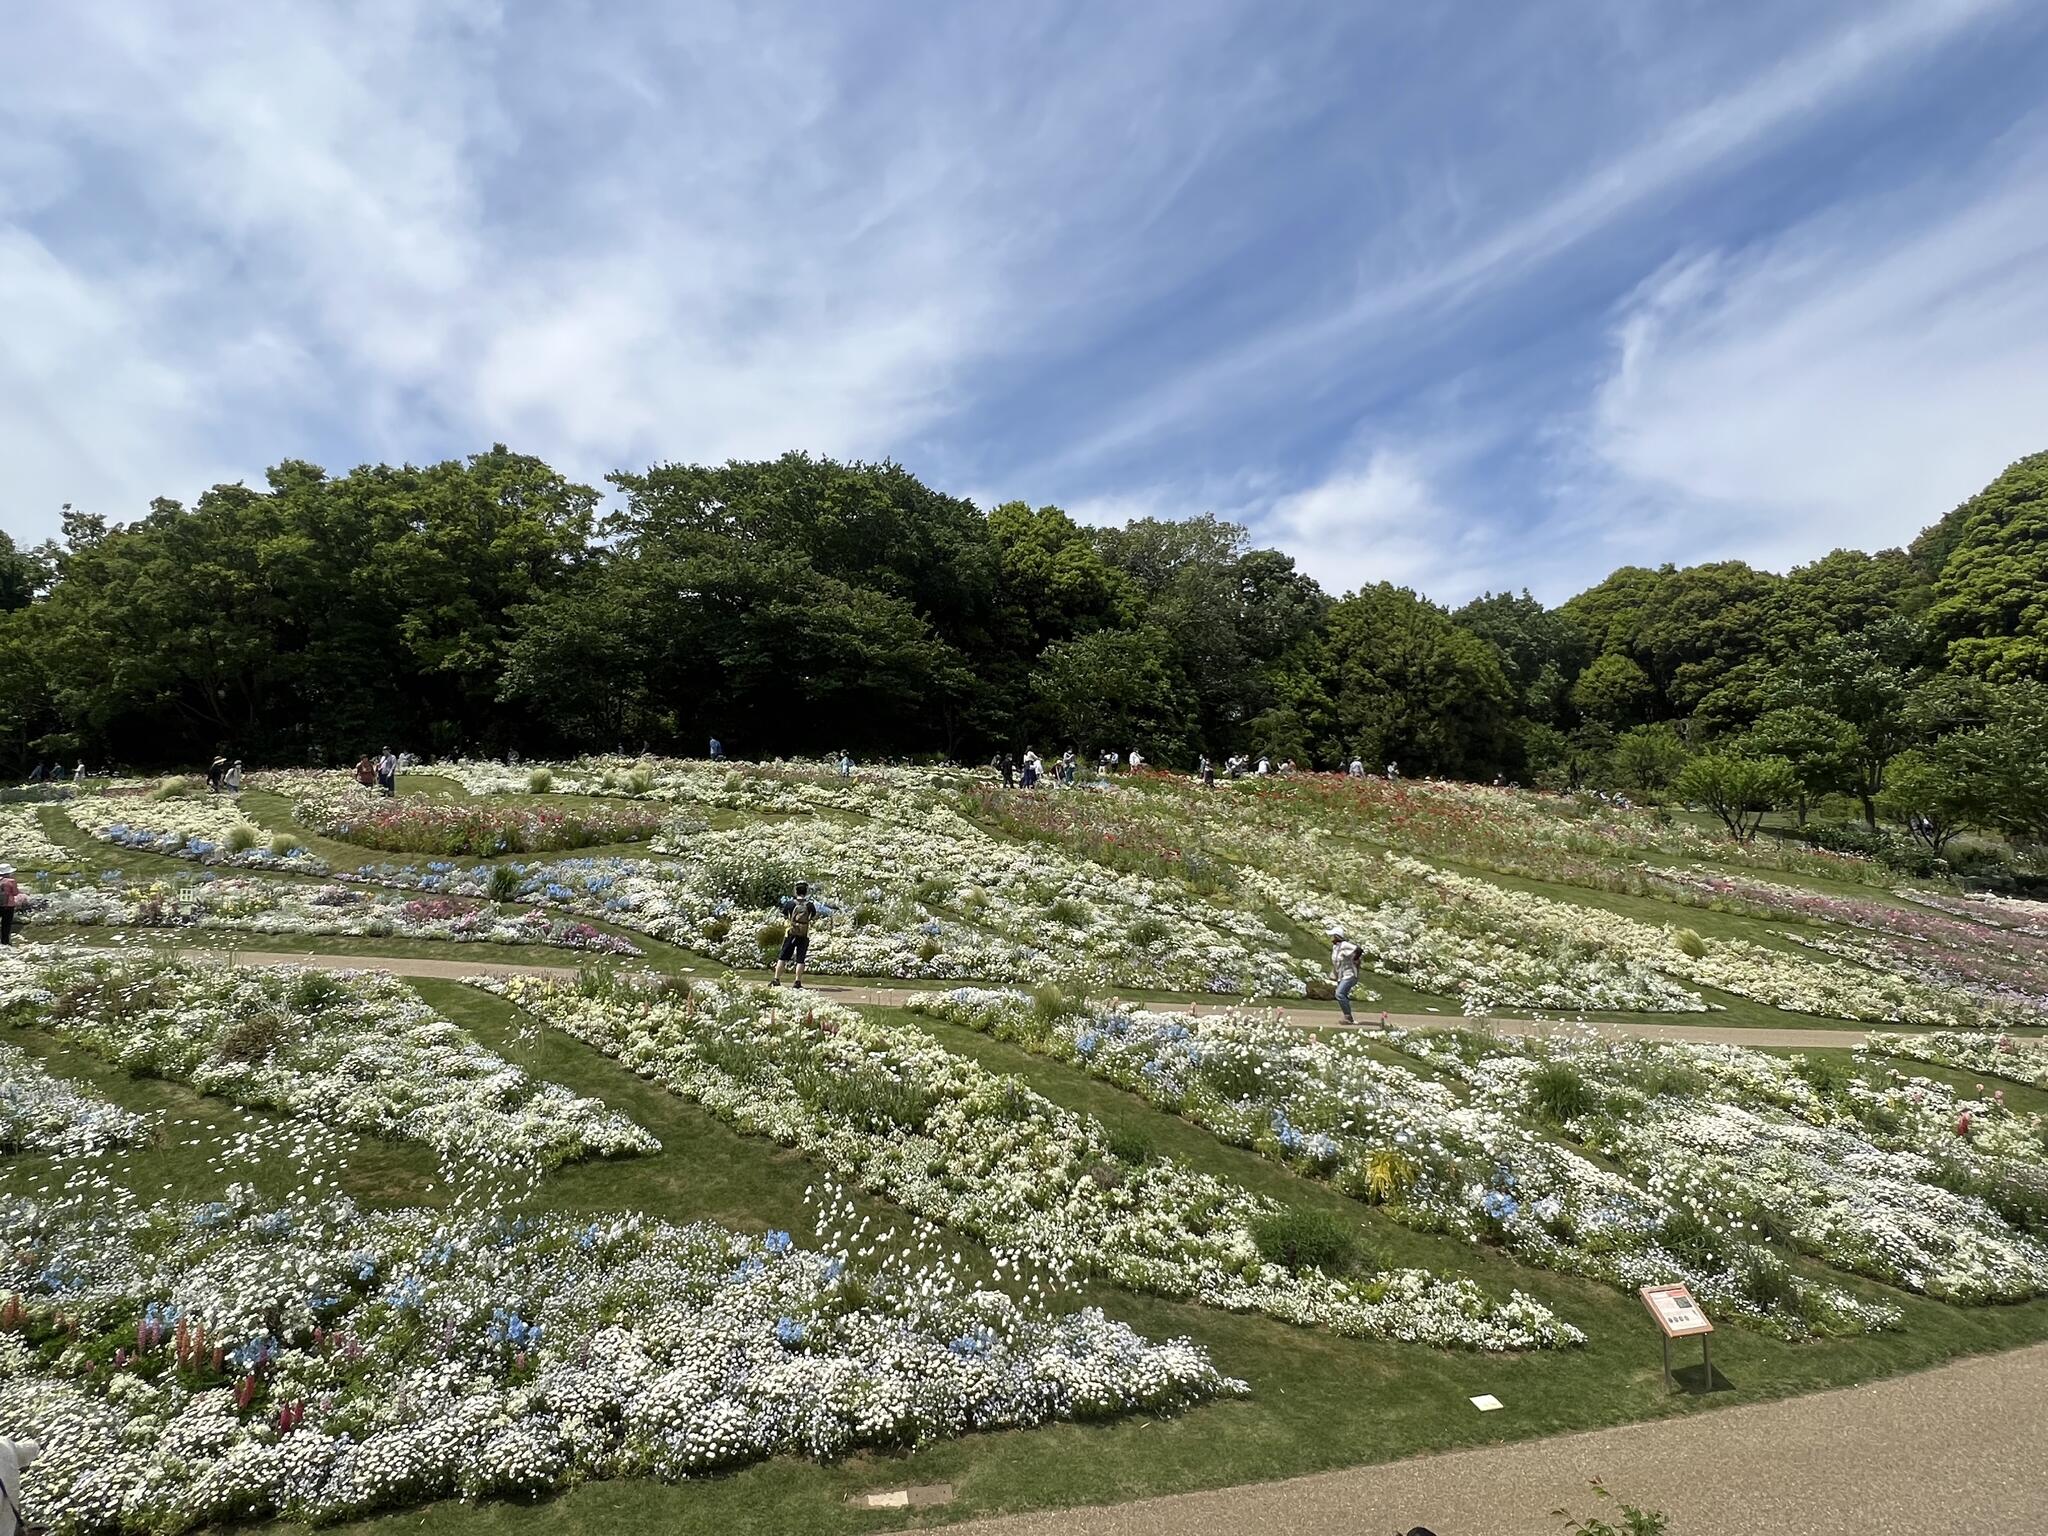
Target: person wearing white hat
14	1456
1345	958
10	902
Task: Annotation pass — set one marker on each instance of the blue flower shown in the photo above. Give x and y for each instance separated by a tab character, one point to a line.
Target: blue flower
777	1242
788	1331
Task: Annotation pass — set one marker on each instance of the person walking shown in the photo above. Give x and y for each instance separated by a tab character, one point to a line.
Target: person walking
1345	958
1357	768
78	773
1031	768
366	772
16	1456
1208	773
798	909
10	902
232	779
387	772
717	750
1008	770
214	771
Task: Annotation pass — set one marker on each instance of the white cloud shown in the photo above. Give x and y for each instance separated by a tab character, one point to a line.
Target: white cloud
603	234
1843	385
1381	519
1300	352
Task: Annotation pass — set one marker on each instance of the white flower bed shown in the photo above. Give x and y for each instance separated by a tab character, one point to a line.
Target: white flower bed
940	1135
2017	1060
338	1362
278	907
1754	1147
50	1115
945	901
357	1050
25	845
205	828
1495	947
1385	1135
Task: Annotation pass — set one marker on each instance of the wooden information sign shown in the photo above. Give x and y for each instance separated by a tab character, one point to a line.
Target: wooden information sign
1679	1317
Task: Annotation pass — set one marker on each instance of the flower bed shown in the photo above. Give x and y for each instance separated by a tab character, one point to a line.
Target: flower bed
49	1115
1496	948
2002	1056
940	901
209	830
1384	1135
356	1050
1867	1179
275	907
884	1106
336	806
25	845
203	1366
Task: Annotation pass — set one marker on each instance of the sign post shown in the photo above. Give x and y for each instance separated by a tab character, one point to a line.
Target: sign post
1679	1317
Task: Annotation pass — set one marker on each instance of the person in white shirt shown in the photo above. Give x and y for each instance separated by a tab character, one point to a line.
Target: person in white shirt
1265	766
1357	768
1345	958
15	1455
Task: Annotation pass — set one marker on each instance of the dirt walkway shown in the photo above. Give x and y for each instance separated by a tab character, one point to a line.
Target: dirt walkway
1955	1449
1310	1017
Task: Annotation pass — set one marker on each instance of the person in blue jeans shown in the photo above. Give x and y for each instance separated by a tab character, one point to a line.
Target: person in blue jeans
1345	957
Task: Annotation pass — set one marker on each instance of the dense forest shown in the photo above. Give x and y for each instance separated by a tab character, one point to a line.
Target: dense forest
802	606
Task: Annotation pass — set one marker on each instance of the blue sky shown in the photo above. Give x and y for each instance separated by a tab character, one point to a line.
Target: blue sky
1461	296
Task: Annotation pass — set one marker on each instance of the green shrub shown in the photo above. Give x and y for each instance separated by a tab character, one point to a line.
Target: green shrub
932	891
1233	1074
284	844
1691	943
756	882
1068	911
1051	1002
540	781
769	937
1148	930
869	1100
241	838
1690	1239
312	991
1559	1094
640	781
172	789
1130	1141
504	882
1827	1077
716	928
1301	1239
1770	1285
254	1038
928	949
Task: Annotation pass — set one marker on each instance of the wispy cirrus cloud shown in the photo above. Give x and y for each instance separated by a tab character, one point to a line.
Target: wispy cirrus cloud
1418	299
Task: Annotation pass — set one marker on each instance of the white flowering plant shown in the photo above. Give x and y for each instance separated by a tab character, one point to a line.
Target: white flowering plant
55	1116
884	1105
191	1365
353	1049
1389	1137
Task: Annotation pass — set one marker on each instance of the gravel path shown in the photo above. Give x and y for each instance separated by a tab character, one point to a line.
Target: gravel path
1312	1017
1959	1448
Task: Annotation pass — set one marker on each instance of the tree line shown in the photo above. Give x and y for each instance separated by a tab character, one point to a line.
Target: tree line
800	605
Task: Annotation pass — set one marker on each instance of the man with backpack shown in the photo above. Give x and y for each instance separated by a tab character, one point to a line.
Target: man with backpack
10	902
796	944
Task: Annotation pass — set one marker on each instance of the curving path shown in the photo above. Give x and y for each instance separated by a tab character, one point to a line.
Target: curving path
1958	1448
1307	1017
